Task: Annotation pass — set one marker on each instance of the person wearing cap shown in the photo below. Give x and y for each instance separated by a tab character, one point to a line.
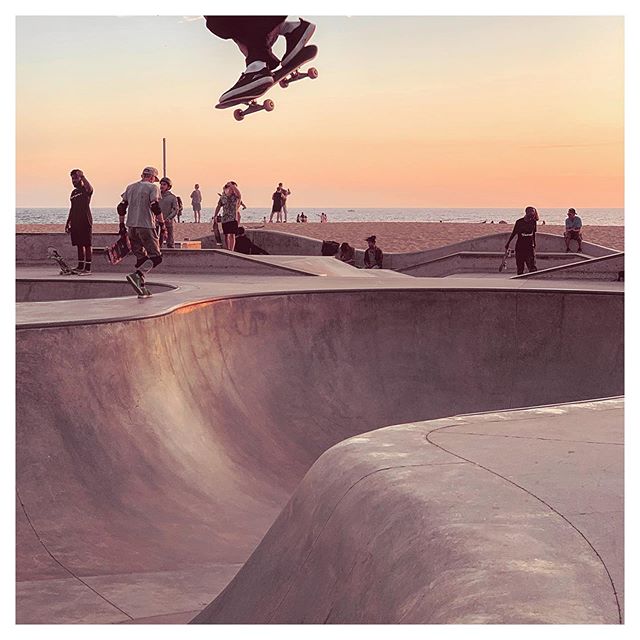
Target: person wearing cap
80	223
196	202
169	207
373	255
572	230
525	228
140	203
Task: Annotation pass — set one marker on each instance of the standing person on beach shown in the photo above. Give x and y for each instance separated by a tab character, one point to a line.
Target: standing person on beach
285	193
140	203
230	204
80	222
277	205
169	207
180	207
525	228
196	202
373	255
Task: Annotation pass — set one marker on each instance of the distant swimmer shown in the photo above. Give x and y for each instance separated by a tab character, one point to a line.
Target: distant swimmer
255	35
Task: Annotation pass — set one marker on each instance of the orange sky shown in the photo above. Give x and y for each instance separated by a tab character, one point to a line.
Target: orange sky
407	111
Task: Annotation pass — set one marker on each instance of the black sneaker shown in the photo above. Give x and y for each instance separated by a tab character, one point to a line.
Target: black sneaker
296	40
250	85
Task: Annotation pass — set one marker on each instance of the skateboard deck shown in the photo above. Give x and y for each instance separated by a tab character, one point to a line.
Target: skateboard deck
65	269
283	76
503	264
216	233
118	250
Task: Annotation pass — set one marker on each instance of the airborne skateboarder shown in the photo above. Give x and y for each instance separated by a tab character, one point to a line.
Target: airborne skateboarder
255	35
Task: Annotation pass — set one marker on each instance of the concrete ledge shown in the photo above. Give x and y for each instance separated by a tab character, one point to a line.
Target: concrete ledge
605	268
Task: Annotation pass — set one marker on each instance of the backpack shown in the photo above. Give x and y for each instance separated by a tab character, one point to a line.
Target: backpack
330	247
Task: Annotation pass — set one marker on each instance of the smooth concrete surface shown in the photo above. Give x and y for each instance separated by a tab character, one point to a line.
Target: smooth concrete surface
606	268
511	517
145	482
77	288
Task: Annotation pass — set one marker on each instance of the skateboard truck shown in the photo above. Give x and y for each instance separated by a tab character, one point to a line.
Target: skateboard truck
252	107
311	73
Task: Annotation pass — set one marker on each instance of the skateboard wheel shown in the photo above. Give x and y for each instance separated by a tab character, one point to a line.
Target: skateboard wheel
238	114
312	73
268	105
284	83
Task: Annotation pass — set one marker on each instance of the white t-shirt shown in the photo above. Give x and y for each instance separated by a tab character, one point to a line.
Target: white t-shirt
139	197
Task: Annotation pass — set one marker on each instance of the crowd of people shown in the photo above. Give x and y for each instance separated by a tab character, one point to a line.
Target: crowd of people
151	208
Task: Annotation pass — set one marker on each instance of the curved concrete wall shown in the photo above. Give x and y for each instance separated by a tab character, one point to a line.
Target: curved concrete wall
73	288
208	418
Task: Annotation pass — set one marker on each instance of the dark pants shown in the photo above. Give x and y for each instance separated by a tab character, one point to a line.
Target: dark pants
252	33
525	256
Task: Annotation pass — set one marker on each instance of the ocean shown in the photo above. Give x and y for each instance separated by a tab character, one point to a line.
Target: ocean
44	215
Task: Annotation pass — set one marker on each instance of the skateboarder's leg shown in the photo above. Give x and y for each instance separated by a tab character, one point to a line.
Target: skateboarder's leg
519	262
169	227
531	261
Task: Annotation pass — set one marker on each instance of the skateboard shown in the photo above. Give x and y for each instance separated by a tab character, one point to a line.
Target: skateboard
503	264
283	76
143	292
216	229
53	254
216	233
118	250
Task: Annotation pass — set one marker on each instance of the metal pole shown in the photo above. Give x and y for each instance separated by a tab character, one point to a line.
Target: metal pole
164	157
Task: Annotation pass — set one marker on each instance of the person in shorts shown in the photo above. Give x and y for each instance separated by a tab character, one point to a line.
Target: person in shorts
229	202
196	202
572	230
80	223
140	203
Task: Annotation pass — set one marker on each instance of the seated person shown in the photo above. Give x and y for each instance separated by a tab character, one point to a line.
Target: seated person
244	245
347	254
373	255
572	230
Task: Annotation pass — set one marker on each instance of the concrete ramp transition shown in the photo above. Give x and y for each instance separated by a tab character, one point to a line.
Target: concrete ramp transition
153	455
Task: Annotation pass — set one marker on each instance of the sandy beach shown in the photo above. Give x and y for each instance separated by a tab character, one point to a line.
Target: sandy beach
393	237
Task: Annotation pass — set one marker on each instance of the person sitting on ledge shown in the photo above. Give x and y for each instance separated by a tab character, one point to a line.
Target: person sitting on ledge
373	255
347	254
244	245
572	230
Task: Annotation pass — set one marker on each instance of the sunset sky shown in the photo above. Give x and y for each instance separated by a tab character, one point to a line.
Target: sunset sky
421	111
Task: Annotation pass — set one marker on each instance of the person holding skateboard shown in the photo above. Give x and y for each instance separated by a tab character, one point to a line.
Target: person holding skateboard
255	35
79	222
525	228
229	202
140	203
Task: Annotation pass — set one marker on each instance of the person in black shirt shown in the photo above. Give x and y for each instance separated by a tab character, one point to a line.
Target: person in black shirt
79	223
277	205
244	245
525	229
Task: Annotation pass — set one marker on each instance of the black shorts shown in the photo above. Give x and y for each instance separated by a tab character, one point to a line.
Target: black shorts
230	228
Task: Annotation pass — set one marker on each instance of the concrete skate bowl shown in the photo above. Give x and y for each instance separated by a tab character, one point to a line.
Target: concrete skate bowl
75	288
153	455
